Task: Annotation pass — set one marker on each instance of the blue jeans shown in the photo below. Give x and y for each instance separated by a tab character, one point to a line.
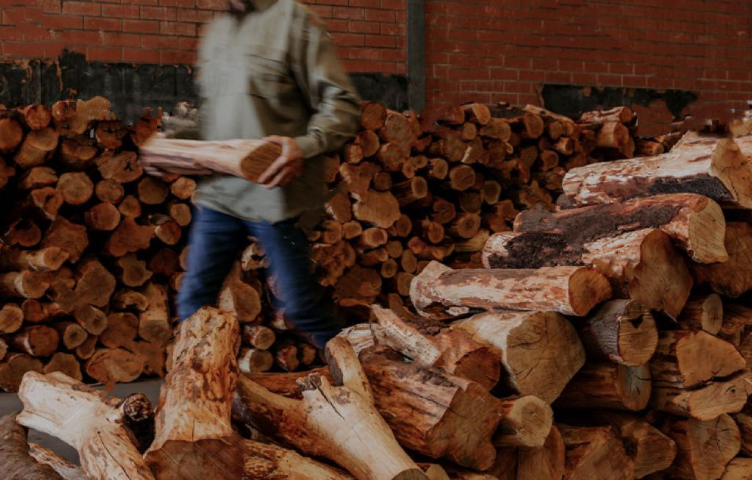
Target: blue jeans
216	239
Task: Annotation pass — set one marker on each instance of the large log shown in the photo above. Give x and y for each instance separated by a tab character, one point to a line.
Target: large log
154	322
67	409
43	260
568	290
706	166
24	284
621	331
431	344
703	313
705	403
544	463
15	461
738	469
703	447
733	277
539	352
243	158
694	222
11	318
14	367
608	385
595	452
323	422
64	468
642	264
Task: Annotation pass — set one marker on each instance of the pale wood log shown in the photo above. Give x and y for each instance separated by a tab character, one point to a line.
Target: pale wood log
65	408
239	157
539	352
65	469
123	167
64	363
154	322
703	165
733	277
431	344
258	336
686	359
16	462
617	114
239	298
621	331
594	452
526	422
109	191
640	264
103	217
705	403
183	188
704	448
703	313
608	385
254	360
694	222
69	236
568	290
322	420
11	318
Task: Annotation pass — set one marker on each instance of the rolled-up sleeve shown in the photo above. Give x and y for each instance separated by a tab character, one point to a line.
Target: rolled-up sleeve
326	86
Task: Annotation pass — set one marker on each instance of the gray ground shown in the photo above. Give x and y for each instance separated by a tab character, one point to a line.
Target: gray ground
9	403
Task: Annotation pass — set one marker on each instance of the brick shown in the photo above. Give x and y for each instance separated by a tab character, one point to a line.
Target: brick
151	3
32	50
34	33
393	4
212	4
61	22
380	41
187	43
141	26
365	3
81	8
364	27
176	28
588	79
10	32
120	11
156	42
178	3
348	13
99	23
348	40
104	54
337	25
196	16
138	55
392	29
158	13
380	16
121	39
51	6
73	37
177	57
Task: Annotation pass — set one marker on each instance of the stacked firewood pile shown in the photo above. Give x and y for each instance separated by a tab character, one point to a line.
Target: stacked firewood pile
90	249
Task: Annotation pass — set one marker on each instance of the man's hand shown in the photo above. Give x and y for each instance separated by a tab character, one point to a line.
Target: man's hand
287	167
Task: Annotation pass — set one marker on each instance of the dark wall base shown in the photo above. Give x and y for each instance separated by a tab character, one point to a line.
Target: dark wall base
131	87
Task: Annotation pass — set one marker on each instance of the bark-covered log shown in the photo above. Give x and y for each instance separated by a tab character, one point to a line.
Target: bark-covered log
733	277
65	408
15	461
621	331
608	385
539	352
568	290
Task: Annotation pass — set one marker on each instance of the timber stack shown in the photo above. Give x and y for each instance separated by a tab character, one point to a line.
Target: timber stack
606	338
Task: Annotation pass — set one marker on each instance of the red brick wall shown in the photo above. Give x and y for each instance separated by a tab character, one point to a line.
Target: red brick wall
492	50
370	34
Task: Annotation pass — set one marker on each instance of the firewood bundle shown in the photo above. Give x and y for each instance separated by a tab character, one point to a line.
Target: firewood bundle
90	246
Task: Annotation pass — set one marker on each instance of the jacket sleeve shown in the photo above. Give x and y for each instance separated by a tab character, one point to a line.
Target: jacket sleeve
326	87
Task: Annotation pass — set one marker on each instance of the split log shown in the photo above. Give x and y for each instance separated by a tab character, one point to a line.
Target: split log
125	299
25	237
526	422
15	461
622	115
242	158
35	311
109	191
703	447
121	331
738	469
68	236
36	117
154	322
703	313
594	452
11	318
621	331
25	284
37	148
733	277
254	360
42	260
114	365
64	363
702	165
410	191
76	187
128	237
545	463
608	385
640	264
568	290
88	348
152	191
239	298
430	344
123	167
63	467
48	200
372	115
95	284
71	334
13	369
705	403
12	135
686	359
368	142
103	217
130	207
166	229
36	340
181	213
258	336
77	153
694	222
539	352
461	177
78	417
37	177
183	188
379	208
321	423
436	414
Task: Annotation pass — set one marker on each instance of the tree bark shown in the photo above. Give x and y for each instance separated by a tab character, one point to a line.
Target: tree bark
15	461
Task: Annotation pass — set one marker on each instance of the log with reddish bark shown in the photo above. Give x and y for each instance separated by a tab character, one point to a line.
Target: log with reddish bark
621	331
733	277
74	413
702	165
608	385
594	452
16	463
568	290
640	264
539	352
704	448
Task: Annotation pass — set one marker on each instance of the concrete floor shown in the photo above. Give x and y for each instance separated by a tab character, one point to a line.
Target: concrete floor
9	403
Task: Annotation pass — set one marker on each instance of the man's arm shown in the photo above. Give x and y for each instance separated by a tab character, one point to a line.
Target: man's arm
329	93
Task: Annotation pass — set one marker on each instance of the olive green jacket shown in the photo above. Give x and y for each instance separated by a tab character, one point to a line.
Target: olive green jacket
273	71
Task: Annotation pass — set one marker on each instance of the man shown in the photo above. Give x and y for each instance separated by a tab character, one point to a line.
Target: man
267	70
